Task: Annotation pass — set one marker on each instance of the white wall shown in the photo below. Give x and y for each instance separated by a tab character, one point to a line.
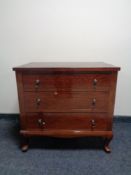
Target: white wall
64	30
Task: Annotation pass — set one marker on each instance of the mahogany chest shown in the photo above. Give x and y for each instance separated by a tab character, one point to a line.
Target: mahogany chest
66	100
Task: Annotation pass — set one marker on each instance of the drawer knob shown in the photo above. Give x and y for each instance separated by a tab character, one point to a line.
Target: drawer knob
95	82
37	83
38	100
41	122
94	102
93	123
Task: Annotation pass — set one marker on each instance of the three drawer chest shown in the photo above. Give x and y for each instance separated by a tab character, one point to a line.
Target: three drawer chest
66	100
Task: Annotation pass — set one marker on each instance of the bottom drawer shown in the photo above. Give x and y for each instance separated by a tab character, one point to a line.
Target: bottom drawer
67	121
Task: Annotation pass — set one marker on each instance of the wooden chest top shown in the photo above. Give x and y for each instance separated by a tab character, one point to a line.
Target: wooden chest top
67	66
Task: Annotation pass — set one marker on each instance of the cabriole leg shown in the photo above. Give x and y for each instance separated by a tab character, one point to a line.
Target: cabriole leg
106	144
24	144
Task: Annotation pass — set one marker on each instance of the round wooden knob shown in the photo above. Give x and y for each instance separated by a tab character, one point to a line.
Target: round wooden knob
55	93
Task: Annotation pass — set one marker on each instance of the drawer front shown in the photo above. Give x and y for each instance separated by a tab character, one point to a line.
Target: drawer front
67	121
66	101
63	82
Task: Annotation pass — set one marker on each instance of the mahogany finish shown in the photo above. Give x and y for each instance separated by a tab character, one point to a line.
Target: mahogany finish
38	121
66	100
66	82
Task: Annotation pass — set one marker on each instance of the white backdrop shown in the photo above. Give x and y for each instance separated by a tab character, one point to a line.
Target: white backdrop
64	30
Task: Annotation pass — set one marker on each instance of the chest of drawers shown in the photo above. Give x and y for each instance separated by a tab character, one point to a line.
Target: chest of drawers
66	100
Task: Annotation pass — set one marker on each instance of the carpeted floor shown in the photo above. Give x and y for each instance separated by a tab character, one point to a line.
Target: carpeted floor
64	157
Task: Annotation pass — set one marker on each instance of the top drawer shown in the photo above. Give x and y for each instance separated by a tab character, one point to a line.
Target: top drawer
66	82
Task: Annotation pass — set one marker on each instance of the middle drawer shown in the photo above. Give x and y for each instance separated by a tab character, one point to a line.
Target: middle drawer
66	101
